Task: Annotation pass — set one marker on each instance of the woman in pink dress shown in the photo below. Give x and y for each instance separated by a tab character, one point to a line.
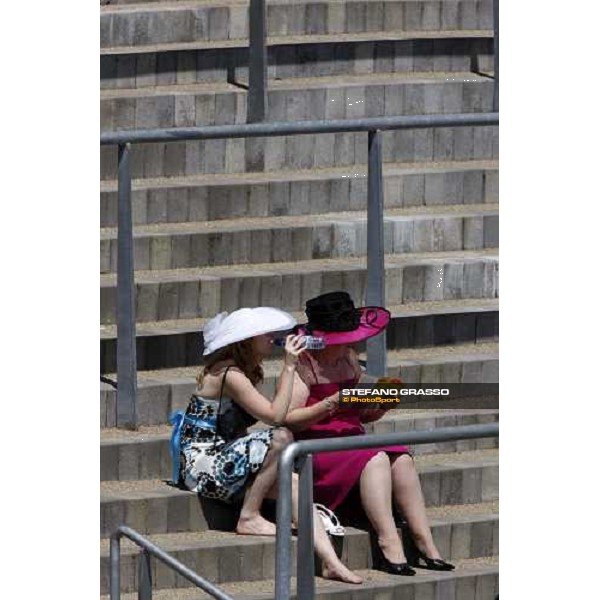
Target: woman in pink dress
378	476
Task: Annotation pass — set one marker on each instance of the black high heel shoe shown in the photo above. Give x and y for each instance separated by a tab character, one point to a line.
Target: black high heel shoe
381	563
433	564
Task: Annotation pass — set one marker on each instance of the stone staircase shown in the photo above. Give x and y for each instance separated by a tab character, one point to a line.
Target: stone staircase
460	485
221	224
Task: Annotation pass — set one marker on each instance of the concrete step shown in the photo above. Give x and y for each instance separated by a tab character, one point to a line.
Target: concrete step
460	532
474	579
372	95
310	151
177	343
332	235
203	292
303	40
151	506
182	25
138	3
144	454
160	392
344	55
301	192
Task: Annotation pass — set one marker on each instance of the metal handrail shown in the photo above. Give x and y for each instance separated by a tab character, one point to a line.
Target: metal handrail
303	450
144	578
257	62
279	128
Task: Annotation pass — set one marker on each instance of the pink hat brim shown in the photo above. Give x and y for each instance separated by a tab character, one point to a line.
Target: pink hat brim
373	320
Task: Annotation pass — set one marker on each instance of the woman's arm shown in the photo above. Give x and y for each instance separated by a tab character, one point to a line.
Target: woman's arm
300	416
240	389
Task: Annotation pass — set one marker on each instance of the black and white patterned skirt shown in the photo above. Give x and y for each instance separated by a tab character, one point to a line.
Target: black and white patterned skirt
222	470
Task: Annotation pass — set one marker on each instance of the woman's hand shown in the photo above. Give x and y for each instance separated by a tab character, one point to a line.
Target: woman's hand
368	415
331	403
294	347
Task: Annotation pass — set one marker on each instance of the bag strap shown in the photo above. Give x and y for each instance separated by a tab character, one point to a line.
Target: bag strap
219	408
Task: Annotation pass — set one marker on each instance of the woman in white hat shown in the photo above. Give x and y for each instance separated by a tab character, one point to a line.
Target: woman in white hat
220	458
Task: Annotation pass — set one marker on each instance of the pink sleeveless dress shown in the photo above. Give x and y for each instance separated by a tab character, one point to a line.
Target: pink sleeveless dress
337	473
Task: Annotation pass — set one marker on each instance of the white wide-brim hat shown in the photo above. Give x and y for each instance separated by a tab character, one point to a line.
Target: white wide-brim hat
225	328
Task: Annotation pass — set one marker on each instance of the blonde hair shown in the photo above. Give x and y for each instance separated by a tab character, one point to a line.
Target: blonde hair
242	354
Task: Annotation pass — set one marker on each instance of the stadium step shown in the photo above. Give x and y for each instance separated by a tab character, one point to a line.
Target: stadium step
300	192
222	45
177	343
312	98
474	579
277	239
225	24
144	454
460	532
318	56
151	506
203	292
160	392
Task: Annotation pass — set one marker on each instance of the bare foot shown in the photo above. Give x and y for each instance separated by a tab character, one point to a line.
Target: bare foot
340	573
255	525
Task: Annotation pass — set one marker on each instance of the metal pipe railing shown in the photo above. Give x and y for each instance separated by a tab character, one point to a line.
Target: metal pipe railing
277	128
126	349
257	62
376	355
144	573
303	450
305	563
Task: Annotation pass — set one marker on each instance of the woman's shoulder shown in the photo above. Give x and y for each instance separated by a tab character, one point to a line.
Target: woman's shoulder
234	383
213	380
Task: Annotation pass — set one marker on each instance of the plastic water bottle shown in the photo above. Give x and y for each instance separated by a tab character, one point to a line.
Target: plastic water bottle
310	342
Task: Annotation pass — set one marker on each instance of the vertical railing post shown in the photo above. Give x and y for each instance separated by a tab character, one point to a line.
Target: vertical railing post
496	100
144	576
257	62
305	552
115	567
376	358
283	536
126	352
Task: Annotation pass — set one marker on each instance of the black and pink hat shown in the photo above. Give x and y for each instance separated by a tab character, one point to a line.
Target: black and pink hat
334	317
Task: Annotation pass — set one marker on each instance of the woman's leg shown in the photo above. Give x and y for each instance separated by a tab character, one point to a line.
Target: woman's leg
251	522
409	498
376	496
333	567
